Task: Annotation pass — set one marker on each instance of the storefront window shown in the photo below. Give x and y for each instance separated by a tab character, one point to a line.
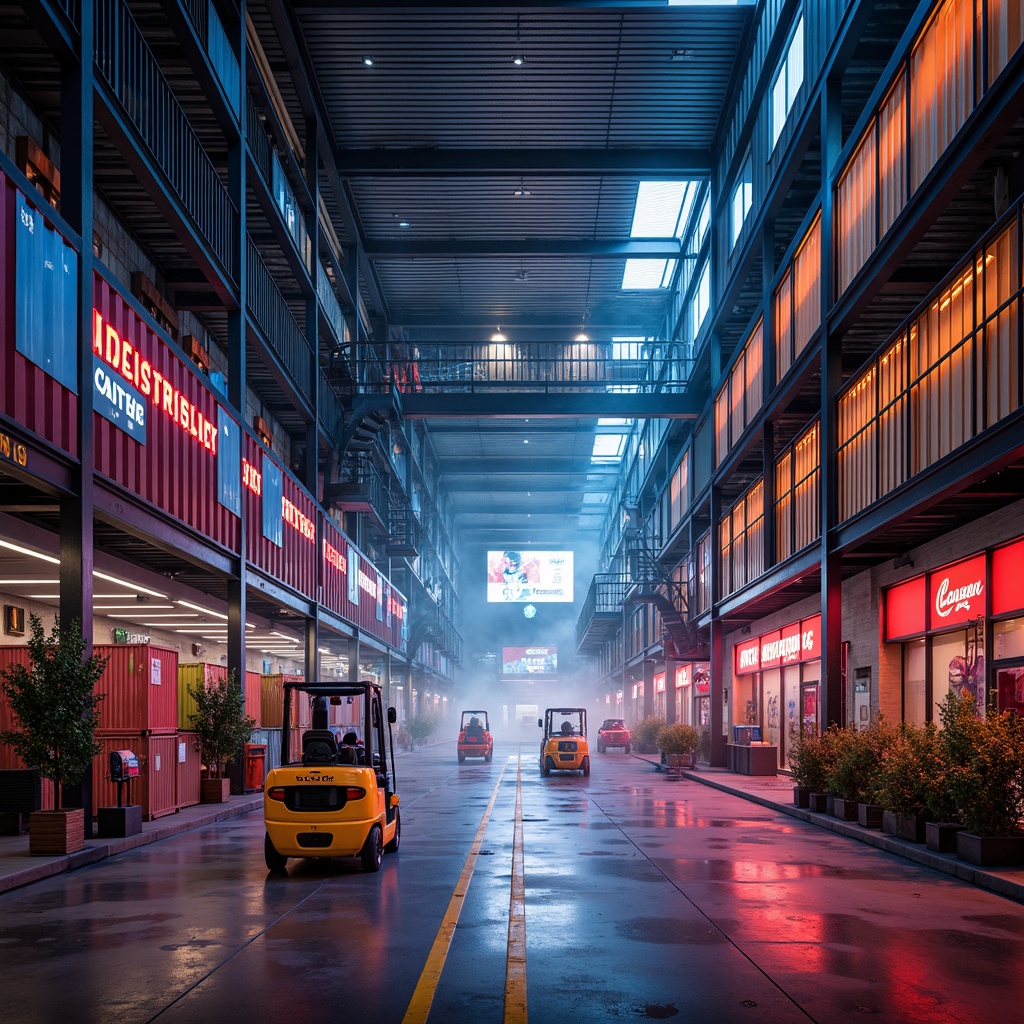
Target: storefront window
914	698
772	698
1008	639
954	667
791	693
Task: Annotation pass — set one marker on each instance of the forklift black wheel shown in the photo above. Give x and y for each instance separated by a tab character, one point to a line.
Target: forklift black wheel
373	850
276	862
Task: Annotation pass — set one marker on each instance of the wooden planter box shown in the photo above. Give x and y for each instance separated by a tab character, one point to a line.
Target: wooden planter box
990	851
56	833
214	791
941	835
904	826
869	815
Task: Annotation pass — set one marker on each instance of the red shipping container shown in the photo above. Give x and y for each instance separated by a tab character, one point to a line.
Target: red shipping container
189	768
156	788
272	702
253	697
141	687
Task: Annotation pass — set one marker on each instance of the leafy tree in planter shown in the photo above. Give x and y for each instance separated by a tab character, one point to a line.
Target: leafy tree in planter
220	721
54	704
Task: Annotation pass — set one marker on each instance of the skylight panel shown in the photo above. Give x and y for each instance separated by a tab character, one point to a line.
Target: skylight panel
644	274
657	208
608	447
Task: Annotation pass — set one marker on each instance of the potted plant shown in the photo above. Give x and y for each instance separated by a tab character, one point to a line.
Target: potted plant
644	734
872	744
53	702
911	781
986	781
844	772
678	743
807	762
222	727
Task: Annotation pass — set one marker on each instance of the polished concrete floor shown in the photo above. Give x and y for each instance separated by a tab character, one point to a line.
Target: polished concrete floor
645	899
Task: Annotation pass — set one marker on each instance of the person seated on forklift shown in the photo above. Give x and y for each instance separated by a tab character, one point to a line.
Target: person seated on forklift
475	729
350	739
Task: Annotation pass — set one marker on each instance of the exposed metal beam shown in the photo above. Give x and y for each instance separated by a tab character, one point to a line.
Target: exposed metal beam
614	319
448	163
502	5
510	248
529	463
660	406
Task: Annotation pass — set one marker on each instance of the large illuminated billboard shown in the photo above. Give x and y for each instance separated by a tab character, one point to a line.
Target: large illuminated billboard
521	661
529	576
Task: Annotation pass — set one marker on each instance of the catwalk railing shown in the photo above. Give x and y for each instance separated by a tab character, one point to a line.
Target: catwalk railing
126	63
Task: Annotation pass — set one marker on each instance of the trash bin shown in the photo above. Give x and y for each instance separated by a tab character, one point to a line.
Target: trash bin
255	766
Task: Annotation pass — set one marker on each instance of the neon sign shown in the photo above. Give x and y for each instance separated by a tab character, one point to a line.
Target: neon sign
298	520
332	556
121	355
252	478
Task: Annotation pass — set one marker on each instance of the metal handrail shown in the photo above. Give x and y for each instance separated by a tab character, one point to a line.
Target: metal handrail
126	63
271	313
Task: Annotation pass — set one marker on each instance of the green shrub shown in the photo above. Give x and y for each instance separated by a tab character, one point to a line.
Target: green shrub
643	736
420	727
678	739
913	776
853	768
53	706
986	766
808	762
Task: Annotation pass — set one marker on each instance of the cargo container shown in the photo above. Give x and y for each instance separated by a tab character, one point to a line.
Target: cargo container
156	788
192	672
189	768
140	684
272	702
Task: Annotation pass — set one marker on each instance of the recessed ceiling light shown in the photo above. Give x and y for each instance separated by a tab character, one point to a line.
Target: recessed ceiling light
404	224
581	337
519	60
369	62
522	193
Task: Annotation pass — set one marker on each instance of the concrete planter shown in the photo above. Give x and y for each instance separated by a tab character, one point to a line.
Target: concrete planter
904	826
990	851
940	836
801	796
845	810
818	802
869	815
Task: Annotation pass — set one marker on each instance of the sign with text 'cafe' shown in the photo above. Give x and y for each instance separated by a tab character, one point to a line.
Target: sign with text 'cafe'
799	641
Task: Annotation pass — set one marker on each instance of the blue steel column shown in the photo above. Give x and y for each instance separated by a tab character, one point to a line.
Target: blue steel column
311	466
76	514
832	709
236	352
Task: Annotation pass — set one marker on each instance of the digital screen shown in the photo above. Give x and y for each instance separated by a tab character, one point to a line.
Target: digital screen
529	576
521	661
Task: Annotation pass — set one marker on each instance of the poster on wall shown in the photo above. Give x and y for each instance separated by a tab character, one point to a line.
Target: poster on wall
529	576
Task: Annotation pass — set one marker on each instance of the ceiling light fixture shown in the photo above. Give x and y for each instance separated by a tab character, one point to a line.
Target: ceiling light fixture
134	587
368	62
519	60
199	608
582	336
28	551
497	336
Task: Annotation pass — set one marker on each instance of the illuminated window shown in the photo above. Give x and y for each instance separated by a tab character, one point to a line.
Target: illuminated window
701	299
742	199
788	80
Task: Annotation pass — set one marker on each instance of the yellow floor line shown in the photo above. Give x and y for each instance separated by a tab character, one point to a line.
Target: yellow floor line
515	967
423	996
